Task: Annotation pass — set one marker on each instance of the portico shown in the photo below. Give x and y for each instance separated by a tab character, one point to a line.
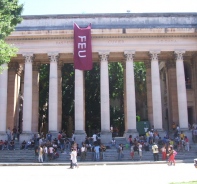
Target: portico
155	39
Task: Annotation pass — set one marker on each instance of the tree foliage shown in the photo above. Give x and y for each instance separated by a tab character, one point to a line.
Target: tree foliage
10	16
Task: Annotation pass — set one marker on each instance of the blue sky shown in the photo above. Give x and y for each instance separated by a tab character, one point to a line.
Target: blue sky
46	7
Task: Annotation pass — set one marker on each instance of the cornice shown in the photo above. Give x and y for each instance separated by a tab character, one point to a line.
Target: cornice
102	37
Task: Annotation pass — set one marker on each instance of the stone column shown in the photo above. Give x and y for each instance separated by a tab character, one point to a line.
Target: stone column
149	91
130	124
3	104
105	105
35	97
172	94
79	106
53	94
156	91
181	91
27	103
59	124
12	94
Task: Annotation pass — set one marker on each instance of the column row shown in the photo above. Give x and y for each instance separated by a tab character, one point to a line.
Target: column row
130	104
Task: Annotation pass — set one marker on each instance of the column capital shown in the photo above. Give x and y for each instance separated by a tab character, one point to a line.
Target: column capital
179	54
129	54
29	56
104	55
154	55
53	56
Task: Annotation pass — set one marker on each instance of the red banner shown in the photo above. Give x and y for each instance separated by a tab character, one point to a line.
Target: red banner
82	48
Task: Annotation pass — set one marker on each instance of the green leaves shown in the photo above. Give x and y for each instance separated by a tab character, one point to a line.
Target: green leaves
6	52
10	16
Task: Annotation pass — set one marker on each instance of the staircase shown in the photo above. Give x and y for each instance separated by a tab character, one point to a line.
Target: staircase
27	156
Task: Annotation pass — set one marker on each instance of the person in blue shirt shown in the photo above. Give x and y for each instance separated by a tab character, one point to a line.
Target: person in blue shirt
97	152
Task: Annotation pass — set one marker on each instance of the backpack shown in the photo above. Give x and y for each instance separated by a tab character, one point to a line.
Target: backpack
118	150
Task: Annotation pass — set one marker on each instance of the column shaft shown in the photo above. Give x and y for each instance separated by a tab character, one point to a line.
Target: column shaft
130	92
27	104
79	102
105	108
53	93
59	97
149	92
3	98
181	91
35	97
156	91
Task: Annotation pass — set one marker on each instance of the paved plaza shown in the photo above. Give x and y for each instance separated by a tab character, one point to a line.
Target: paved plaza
102	173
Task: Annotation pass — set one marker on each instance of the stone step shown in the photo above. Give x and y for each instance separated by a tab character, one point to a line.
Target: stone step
110	155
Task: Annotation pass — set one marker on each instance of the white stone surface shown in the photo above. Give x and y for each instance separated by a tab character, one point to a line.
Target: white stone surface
53	92
141	173
130	92
104	83
181	91
156	91
79	101
3	98
27	103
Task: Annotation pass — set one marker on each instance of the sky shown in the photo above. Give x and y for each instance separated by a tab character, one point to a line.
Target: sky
49	7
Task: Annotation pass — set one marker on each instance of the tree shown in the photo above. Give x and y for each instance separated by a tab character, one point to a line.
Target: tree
10	16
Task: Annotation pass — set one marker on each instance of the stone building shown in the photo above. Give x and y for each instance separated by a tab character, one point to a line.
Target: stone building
165	42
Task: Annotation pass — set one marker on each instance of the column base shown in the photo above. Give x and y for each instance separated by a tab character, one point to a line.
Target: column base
3	136
132	132
80	136
25	136
106	137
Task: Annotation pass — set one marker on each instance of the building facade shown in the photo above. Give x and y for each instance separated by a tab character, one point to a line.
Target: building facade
165	42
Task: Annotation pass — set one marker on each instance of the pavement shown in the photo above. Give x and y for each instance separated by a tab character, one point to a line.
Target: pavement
94	163
134	173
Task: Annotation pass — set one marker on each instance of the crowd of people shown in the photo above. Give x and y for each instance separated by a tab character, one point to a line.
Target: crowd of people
47	148
151	141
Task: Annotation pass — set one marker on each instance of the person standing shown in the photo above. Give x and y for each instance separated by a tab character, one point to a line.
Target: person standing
9	134
74	158
186	143
132	152
171	154
40	154
155	152
163	151
97	152
140	150
83	152
120	151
